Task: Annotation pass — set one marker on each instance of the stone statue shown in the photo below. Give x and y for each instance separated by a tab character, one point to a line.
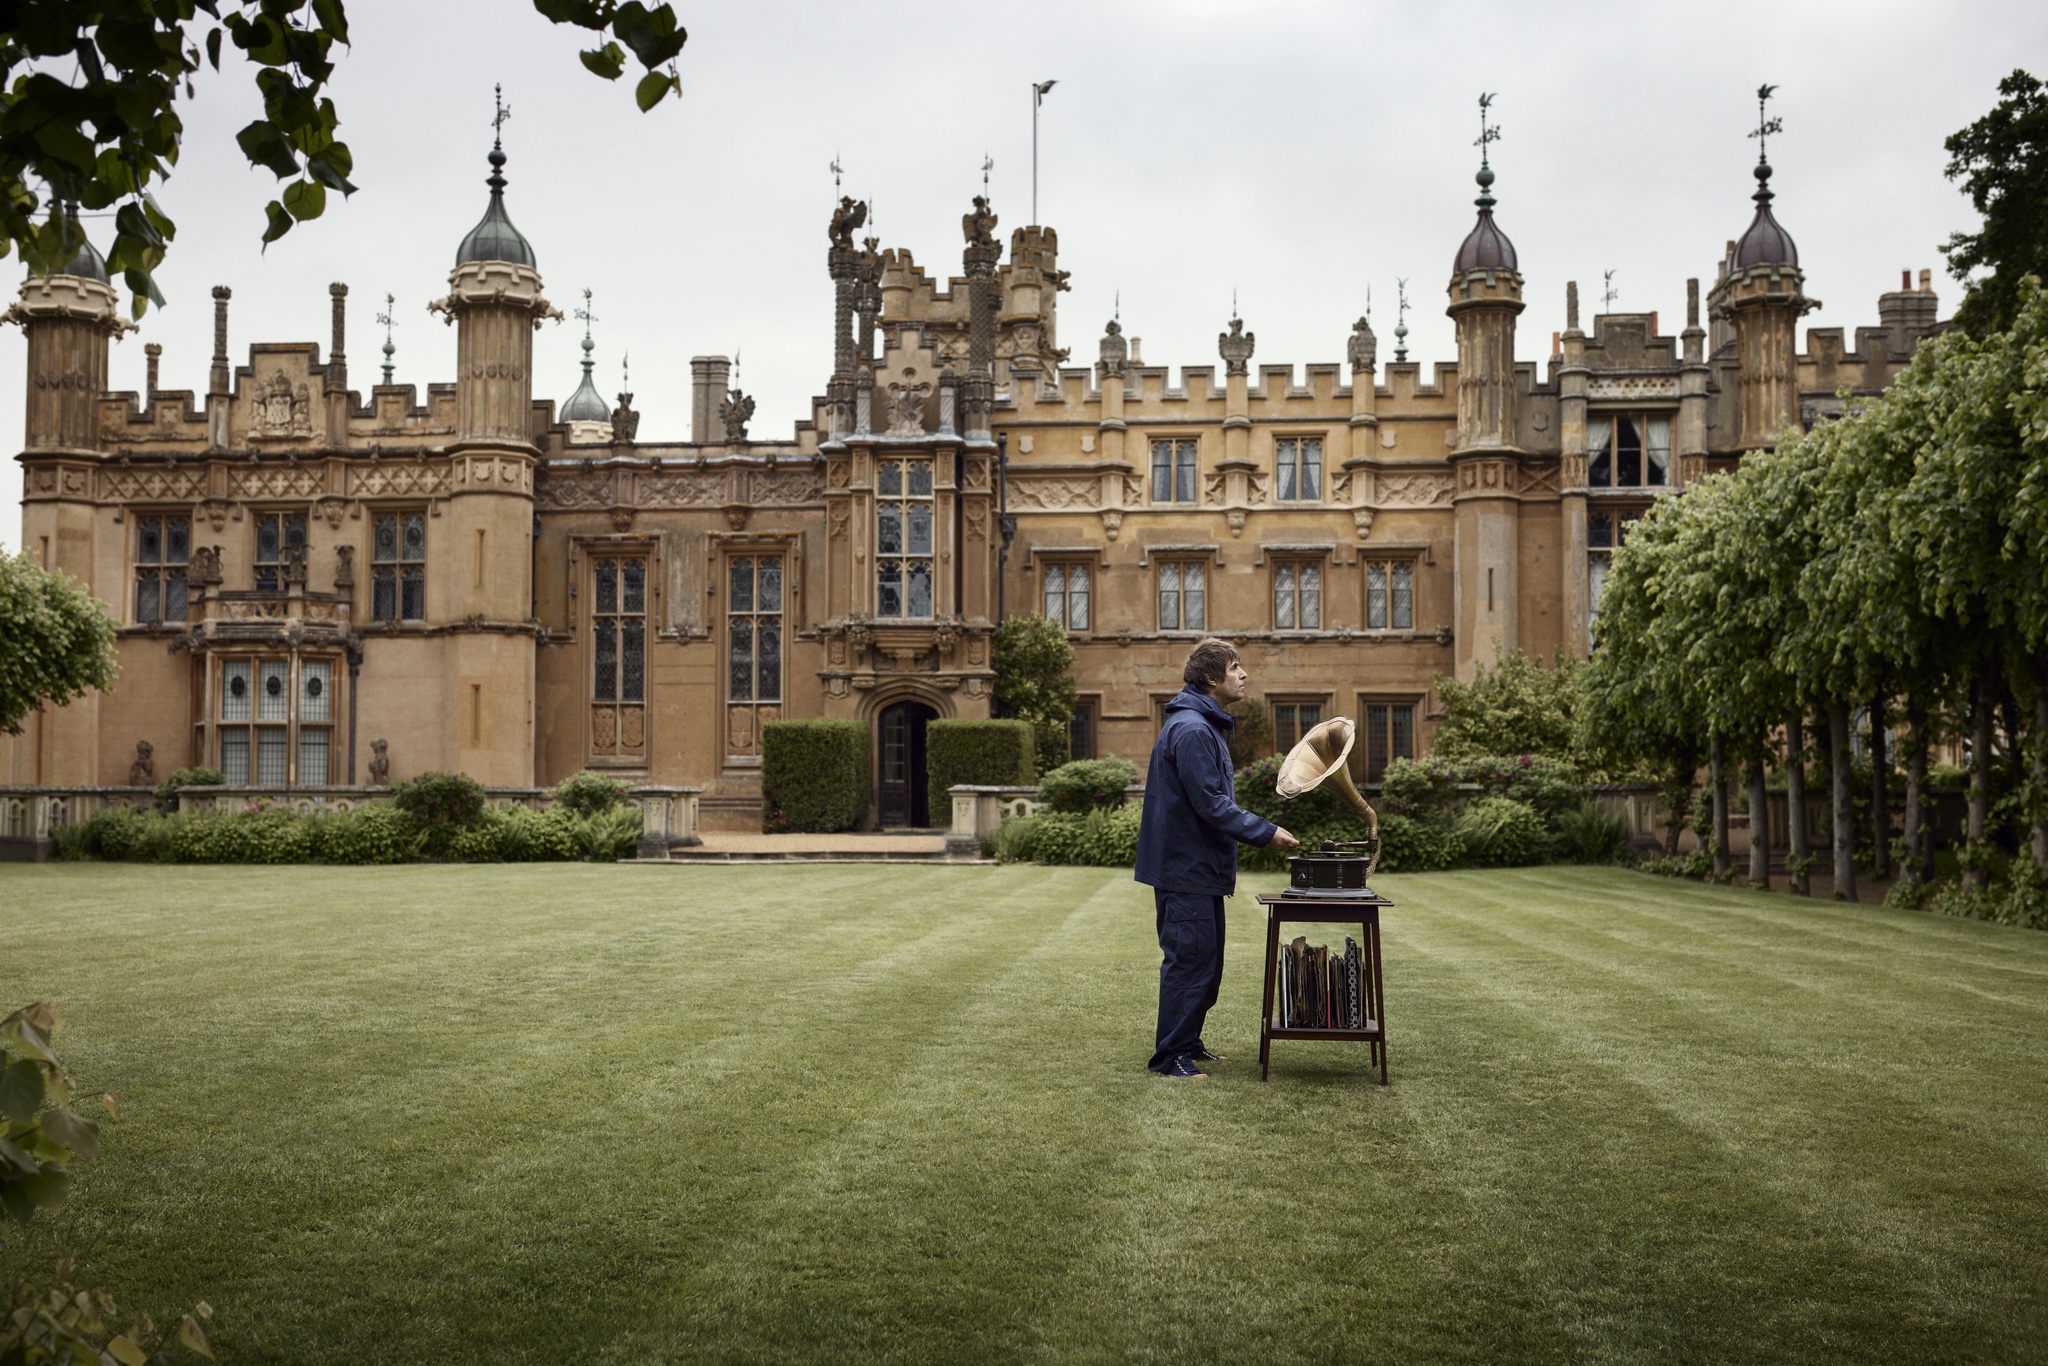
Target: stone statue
979	226
1235	346
1115	351
735	412
204	570
846	221
142	773
906	406
344	569
380	764
1364	347
625	422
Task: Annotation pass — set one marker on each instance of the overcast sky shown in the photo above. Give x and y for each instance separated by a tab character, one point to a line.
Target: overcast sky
1297	154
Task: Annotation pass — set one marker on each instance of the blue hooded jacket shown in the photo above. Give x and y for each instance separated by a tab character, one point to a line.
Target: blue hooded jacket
1187	841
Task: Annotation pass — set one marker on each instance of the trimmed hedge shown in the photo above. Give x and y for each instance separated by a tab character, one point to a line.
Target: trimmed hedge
1103	838
984	753
814	775
372	834
1087	785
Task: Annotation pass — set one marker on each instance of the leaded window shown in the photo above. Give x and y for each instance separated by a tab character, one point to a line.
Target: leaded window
1628	450
279	536
1298	469
903	538
1389	595
1292	720
1297	596
1066	594
398	567
1173	471
1389	735
1183	597
1606	529
618	635
754	635
275	721
163	549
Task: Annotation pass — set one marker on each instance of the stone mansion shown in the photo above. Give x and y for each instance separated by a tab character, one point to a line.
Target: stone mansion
321	585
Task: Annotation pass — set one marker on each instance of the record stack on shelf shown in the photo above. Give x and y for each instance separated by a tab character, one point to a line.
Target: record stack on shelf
1319	989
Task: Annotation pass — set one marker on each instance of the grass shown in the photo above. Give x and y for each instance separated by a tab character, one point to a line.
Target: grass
547	1114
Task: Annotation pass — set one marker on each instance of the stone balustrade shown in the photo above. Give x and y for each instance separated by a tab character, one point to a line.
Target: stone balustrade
31	816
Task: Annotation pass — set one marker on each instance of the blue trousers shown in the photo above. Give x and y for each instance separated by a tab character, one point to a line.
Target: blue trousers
1190	969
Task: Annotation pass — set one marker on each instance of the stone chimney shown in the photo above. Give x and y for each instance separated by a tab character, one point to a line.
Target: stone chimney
708	377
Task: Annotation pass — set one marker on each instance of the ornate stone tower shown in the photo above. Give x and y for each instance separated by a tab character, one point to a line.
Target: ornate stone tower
1761	292
1485	297
494	300
67	318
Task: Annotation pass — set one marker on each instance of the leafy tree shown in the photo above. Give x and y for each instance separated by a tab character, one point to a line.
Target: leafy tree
1513	706
1034	667
2002	160
88	109
1252	737
56	640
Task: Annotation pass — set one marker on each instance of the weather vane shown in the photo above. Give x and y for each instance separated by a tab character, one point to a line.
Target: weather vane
584	315
835	173
988	163
626	371
1401	323
1118	312
504	112
1764	126
389	319
1489	133
1368	305
1233	304
1607	298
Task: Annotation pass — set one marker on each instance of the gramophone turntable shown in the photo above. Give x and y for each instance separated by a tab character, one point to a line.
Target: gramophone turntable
1336	868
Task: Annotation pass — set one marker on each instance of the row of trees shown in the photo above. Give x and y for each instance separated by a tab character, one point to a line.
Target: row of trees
1893	561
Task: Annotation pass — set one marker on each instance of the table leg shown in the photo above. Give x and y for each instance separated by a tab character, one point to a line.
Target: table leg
1379	992
1266	1011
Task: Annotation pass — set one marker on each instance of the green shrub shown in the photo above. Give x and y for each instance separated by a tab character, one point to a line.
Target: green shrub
1420	789
1411	846
588	793
1087	784
814	775
1586	834
1695	865
1320	808
254	836
982	753
1095	839
1252	736
201	776
1500	832
372	834
1428	788
442	805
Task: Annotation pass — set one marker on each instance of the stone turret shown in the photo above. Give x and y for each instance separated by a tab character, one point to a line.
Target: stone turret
1485	298
1762	293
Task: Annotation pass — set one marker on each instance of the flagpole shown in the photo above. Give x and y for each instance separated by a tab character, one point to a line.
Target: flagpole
1034	152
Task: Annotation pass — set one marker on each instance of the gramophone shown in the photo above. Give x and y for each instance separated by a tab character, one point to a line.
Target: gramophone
1336	868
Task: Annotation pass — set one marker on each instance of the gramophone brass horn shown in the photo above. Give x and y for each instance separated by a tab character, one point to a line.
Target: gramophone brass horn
1319	759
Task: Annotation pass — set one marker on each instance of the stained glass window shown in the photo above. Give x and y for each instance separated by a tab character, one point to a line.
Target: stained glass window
904	535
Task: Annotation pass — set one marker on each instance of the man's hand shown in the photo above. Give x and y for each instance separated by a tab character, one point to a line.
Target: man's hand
1282	840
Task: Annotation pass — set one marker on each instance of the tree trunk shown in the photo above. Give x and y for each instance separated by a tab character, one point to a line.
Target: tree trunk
1980	779
1717	773
1759	821
1844	810
1880	794
1917	843
1681	811
1798	843
2039	834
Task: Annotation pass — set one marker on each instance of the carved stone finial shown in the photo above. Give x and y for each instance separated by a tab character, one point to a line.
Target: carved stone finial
979	227
735	412
142	773
1364	348
1235	346
846	221
1115	351
625	422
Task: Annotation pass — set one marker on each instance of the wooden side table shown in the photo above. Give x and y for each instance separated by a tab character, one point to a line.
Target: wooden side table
1363	911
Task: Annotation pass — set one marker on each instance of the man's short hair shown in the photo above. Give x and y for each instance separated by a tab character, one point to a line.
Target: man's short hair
1208	662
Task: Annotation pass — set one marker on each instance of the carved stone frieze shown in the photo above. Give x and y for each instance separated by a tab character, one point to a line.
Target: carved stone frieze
1631	387
682	488
1055	492
781	488
574	492
280	411
288	481
1540	480
1413	490
146	486
1212	487
390	479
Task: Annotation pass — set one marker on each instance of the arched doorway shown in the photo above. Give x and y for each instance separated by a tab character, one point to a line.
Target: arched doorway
905	800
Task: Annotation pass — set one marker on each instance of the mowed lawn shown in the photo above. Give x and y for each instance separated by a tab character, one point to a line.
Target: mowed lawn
843	1114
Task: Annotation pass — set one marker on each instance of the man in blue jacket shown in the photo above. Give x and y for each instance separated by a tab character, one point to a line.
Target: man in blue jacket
1187	849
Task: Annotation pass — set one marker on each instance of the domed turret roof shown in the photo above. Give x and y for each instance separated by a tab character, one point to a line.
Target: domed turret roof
586	405
494	238
88	264
1765	243
1486	246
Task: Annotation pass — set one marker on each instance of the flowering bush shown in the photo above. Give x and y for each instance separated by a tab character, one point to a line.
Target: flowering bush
441	805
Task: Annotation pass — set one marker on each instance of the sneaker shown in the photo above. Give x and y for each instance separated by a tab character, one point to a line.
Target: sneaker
1201	1053
1183	1068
